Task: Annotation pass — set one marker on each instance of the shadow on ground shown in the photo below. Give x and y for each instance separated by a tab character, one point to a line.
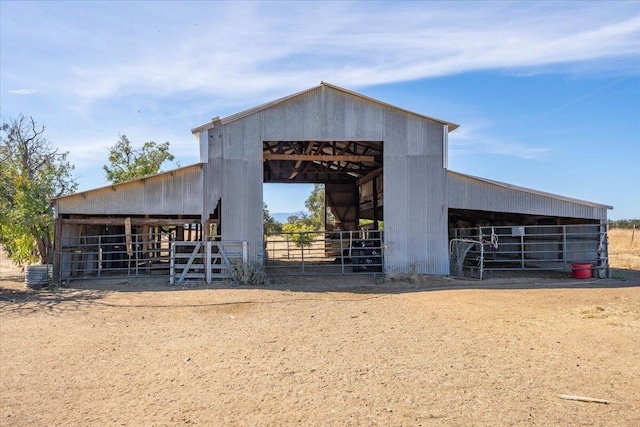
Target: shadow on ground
366	283
54	300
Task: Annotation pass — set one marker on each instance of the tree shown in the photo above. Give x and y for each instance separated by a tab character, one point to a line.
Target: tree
127	163
31	172
315	204
299	233
270	224
299	217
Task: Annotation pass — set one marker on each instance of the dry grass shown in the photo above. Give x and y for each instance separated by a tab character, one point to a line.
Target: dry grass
618	314
624	248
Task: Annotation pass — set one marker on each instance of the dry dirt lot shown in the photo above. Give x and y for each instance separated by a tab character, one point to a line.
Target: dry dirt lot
337	352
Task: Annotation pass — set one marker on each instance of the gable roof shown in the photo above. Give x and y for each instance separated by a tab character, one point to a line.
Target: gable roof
250	111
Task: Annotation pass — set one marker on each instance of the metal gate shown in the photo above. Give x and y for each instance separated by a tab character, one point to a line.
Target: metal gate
534	247
324	253
205	261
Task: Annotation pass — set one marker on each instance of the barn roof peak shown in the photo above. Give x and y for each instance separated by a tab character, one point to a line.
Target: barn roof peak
253	110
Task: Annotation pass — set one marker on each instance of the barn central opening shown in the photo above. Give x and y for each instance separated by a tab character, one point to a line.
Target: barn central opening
352	175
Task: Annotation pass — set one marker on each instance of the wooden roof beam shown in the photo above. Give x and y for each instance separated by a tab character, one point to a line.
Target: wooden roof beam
296	168
370	176
319	157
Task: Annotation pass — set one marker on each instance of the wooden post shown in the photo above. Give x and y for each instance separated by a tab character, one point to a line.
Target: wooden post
375	203
57	247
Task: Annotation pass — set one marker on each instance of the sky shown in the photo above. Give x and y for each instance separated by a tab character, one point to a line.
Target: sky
547	94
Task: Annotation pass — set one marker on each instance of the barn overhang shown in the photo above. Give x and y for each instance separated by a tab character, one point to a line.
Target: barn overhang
171	193
478	200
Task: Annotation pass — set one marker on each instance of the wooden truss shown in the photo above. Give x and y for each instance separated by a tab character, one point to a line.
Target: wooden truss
320	161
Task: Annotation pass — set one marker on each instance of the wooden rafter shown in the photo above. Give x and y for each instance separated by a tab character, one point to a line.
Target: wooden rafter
317	160
319	157
296	168
370	176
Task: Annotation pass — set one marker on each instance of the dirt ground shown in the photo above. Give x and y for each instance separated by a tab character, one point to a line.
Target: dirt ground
339	351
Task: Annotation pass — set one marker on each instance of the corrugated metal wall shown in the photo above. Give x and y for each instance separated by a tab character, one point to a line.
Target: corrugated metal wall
414	196
173	193
464	192
414	180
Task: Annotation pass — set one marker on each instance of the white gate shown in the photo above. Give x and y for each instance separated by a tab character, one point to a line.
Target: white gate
466	255
205	261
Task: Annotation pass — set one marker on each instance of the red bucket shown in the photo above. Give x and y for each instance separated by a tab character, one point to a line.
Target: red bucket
581	271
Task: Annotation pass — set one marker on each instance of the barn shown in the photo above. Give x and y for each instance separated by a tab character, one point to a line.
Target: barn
377	162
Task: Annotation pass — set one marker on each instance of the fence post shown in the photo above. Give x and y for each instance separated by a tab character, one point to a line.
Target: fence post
564	246
99	255
301	249
137	253
288	256
481	260
341	251
522	251
172	264
207	273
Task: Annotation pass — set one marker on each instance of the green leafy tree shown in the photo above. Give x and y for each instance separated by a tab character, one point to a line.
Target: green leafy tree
299	233
316	207
127	163
270	224
299	217
31	172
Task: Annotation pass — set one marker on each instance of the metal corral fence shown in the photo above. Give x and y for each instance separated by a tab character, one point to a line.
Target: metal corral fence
139	255
324	253
537	247
205	261
115	255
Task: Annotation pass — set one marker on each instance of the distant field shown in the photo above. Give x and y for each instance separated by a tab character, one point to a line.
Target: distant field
623	251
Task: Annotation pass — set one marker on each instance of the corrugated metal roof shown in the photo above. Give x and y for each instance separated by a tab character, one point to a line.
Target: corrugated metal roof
113	186
531	191
250	111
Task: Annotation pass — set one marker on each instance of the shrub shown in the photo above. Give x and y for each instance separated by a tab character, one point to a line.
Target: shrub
249	274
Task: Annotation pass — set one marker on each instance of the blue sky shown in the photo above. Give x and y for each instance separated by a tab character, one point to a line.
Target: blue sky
547	94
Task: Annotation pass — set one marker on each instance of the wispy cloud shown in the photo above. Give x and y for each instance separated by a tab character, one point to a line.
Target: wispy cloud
21	91
96	53
265	48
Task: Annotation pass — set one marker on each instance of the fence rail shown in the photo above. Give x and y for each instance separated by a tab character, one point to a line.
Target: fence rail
114	255
324	253
205	261
539	247
138	255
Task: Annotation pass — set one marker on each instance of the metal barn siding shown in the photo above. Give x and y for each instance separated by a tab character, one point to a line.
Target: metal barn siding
234	175
212	170
415	227
415	213
171	193
467	192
